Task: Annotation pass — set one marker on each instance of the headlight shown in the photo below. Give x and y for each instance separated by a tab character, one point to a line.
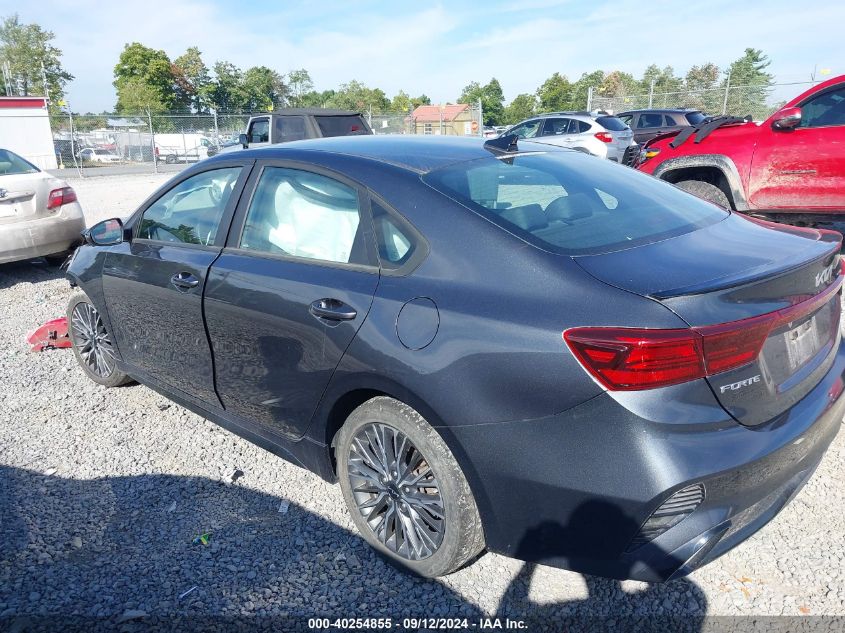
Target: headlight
646	153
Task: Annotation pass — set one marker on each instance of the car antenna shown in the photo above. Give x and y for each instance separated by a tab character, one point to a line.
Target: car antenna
503	144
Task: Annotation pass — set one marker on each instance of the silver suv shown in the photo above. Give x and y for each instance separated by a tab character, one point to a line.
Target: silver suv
601	134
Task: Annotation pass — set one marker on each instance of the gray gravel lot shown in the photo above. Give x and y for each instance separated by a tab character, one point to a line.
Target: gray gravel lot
103	491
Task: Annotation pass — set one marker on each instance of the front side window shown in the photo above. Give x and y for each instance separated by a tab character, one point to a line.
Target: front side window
825	110
301	214
569	203
190	213
259	131
11	163
289	128
529	129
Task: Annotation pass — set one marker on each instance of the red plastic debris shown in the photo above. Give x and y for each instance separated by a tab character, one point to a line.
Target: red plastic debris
51	335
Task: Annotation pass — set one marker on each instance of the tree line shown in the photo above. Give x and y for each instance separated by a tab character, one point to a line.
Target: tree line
146	80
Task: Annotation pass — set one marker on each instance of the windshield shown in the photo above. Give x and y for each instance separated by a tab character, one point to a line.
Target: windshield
11	163
569	203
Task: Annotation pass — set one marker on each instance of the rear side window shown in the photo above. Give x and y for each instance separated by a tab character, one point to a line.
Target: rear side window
11	163
556	127
302	214
190	213
573	204
695	118
583	126
340	125
650	119
611	123
289	128
396	241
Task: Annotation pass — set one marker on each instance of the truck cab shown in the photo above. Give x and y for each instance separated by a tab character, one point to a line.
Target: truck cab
300	123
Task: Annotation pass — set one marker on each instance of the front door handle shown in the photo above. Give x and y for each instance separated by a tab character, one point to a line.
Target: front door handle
184	281
332	309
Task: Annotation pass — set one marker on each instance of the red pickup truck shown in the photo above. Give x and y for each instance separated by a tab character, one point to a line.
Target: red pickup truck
790	167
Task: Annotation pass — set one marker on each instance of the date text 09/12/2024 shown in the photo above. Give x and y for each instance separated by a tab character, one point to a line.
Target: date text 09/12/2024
414	624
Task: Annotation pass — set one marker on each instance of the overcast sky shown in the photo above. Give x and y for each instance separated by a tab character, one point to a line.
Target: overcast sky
436	48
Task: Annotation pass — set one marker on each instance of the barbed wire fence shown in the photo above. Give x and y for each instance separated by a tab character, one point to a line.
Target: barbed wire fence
754	100
149	142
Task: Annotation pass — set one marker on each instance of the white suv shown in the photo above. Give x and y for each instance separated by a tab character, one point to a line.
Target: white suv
601	135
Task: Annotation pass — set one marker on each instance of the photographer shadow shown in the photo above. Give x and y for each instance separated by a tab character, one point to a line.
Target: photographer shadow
591	535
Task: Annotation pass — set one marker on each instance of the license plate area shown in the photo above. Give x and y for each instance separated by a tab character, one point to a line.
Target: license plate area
8	210
802	342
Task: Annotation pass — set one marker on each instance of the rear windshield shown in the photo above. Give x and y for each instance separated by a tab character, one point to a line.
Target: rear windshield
11	163
611	123
571	203
341	125
695	118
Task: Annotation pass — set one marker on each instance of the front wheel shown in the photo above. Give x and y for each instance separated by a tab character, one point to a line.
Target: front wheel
92	344
705	191
406	493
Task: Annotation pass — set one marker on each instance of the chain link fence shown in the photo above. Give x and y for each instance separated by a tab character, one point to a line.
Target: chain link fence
758	101
89	143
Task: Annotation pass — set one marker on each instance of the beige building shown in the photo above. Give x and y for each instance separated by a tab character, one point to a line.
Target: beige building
454	119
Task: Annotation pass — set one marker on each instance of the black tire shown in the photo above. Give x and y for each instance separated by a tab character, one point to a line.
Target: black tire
461	536
57	259
705	191
170	159
81	322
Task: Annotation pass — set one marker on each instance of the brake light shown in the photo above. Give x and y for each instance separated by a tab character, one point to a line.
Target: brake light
604	137
58	197
628	359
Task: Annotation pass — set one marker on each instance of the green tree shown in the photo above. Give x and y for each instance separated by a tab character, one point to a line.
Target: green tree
618	84
665	81
150	67
750	84
702	85
316	99
555	94
492	100
356	96
225	92
138	97
299	84
581	89
26	47
192	77
263	88
522	107
401	102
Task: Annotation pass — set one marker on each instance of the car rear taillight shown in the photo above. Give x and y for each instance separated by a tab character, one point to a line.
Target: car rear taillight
58	197
604	137
629	359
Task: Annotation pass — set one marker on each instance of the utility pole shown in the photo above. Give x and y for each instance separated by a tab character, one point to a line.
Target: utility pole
727	90
480	118
46	88
651	93
589	99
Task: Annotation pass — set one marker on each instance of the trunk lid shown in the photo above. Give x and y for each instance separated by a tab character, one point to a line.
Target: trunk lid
24	197
782	279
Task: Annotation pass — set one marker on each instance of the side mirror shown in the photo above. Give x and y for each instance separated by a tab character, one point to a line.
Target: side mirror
787	119
243	140
106	233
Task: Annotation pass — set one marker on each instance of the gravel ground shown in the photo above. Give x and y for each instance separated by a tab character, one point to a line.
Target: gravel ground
103	491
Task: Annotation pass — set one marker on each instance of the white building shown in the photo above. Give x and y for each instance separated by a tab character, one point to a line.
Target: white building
25	129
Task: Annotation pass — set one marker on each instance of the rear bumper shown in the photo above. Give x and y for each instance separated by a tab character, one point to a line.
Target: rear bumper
573	490
43	236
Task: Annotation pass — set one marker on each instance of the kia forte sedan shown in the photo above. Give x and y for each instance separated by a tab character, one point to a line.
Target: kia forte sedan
498	345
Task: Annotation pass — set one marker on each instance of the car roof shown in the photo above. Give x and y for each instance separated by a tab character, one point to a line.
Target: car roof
661	111
312	111
420	154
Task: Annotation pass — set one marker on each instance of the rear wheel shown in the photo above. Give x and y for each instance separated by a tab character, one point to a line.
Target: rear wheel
170	159
92	344
406	493
705	191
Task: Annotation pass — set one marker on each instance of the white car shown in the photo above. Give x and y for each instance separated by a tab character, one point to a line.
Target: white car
39	214
599	134
95	155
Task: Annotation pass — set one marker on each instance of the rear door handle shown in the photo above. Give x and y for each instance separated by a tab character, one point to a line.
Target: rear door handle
184	281
332	309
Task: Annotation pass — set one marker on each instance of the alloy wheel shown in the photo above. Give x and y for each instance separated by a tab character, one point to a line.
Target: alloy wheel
92	340
396	491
